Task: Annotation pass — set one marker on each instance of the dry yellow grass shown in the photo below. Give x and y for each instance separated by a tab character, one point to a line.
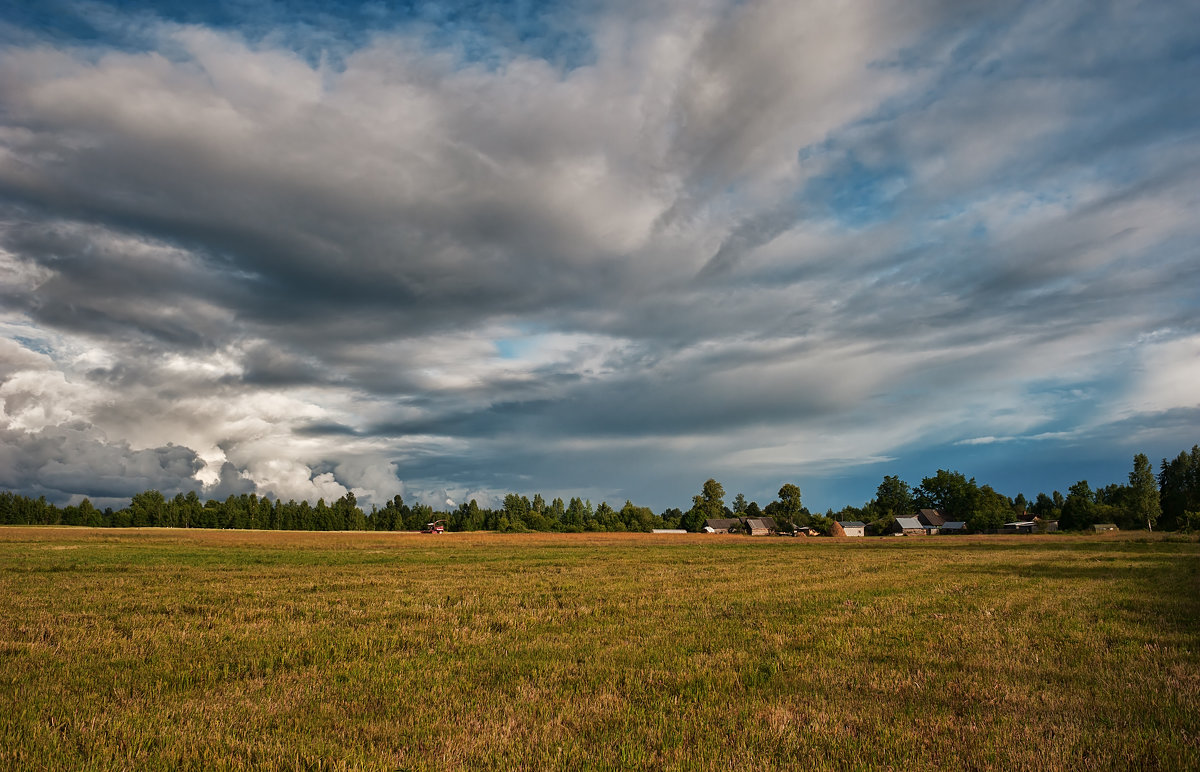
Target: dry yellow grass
265	650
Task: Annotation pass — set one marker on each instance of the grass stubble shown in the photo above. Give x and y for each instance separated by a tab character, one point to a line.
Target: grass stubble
165	649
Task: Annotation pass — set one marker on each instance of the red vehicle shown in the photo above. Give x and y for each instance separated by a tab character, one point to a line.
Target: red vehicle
437	526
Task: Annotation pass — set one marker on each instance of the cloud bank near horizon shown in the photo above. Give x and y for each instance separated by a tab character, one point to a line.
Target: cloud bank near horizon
594	249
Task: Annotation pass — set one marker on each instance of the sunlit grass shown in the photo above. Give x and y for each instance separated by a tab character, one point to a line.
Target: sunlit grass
211	649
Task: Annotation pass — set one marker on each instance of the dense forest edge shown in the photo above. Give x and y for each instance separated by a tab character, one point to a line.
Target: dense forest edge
1168	501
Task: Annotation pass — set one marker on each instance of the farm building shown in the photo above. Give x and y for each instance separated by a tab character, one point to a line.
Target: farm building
953	526
1105	527
931	517
911	526
761	526
755	526
1020	526
667	530
848	528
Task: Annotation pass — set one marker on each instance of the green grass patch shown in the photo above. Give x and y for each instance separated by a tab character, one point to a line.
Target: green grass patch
160	649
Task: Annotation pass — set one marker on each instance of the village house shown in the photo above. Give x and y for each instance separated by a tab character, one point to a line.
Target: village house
722	525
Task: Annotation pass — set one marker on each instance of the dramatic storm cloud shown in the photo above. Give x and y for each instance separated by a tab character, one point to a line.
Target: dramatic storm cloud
598	249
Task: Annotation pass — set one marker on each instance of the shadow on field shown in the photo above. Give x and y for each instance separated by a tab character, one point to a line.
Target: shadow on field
1159	580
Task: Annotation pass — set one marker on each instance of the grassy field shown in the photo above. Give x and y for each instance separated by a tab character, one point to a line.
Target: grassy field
162	649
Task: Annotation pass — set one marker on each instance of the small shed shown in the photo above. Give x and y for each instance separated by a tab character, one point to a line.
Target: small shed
722	524
667	530
1105	527
953	526
848	528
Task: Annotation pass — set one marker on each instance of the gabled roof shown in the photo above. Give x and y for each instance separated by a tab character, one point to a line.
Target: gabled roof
954	525
851	523
909	522
930	517
722	523
760	523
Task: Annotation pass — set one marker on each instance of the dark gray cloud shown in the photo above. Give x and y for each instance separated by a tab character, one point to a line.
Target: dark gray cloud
74	459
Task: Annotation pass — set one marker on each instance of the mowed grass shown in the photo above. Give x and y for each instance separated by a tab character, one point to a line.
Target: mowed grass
163	649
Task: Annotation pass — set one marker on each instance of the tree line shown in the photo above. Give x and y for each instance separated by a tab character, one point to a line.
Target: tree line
1169	500
249	511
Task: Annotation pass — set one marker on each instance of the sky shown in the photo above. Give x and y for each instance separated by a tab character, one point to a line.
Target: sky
451	250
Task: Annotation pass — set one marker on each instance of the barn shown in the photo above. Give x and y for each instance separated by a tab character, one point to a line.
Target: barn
931	517
761	526
848	528
911	526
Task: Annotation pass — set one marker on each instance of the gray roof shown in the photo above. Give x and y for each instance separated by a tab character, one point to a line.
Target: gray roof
851	523
954	525
765	523
909	522
722	523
